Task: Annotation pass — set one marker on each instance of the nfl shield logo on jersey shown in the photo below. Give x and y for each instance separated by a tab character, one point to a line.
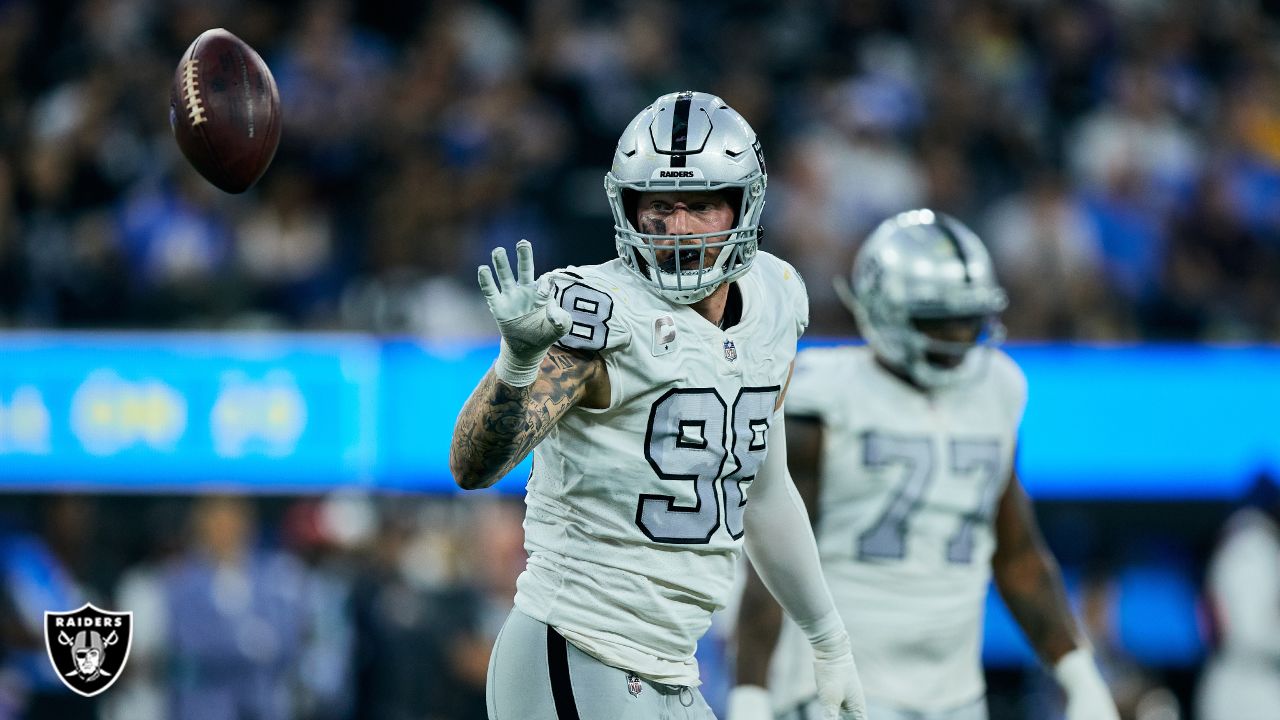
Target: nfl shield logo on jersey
88	647
730	351
633	684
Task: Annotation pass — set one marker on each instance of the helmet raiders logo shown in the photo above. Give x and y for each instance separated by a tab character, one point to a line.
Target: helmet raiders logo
88	647
692	173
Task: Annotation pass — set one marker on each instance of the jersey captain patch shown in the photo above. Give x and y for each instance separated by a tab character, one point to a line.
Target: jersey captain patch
664	335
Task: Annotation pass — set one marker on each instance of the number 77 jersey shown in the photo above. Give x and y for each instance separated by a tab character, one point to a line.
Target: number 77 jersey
910	483
634	515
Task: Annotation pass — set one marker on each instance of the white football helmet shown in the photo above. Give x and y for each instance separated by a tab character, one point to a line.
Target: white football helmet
688	141
919	266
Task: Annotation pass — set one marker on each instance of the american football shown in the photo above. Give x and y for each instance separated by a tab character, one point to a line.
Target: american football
224	108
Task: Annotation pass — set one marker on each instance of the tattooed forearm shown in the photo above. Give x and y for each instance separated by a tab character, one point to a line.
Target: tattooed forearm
487	433
1029	579
500	424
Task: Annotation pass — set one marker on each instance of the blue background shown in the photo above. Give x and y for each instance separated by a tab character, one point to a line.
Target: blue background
282	413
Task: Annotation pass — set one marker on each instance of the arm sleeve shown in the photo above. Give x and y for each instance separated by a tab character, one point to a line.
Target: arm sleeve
780	543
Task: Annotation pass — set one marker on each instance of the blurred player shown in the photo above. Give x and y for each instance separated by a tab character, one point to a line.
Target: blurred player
648	389
904	452
1242	679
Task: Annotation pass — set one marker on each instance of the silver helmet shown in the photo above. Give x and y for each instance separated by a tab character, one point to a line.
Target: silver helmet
688	141
920	266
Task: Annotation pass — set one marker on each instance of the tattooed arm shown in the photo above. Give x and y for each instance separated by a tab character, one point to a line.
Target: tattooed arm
500	424
1029	579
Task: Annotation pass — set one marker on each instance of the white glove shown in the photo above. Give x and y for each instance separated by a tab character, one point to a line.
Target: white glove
1088	697
527	319
749	702
839	687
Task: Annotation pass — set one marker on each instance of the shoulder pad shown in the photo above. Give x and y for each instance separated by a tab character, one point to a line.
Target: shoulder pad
809	393
787	279
1011	382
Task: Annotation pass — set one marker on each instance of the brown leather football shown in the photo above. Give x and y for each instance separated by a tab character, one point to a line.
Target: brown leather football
225	110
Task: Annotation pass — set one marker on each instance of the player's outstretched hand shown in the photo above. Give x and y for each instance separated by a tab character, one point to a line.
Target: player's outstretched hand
839	688
527	319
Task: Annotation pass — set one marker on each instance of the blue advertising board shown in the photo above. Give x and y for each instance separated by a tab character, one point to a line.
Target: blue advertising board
182	412
284	413
1178	422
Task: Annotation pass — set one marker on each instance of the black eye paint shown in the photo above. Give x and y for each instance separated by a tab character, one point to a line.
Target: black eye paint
654	226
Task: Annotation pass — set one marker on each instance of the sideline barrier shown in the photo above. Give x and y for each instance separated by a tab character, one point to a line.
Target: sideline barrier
139	412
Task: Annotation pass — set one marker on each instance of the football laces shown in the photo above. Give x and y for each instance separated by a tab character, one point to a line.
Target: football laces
191	91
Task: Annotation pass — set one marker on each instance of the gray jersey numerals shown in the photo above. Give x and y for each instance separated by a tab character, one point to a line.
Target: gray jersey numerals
692	434
752	412
590	310
982	457
886	539
685	441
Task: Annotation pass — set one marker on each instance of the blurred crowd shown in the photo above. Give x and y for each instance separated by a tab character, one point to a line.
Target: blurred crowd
362	607
1121	157
343	608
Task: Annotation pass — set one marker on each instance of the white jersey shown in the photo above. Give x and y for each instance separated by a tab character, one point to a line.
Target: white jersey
634	513
909	487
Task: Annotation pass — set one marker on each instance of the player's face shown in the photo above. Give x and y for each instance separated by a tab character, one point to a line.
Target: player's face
958	331
684	213
87	661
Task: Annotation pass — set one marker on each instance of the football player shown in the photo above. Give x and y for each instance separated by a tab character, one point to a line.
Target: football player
903	450
1241	680
649	389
